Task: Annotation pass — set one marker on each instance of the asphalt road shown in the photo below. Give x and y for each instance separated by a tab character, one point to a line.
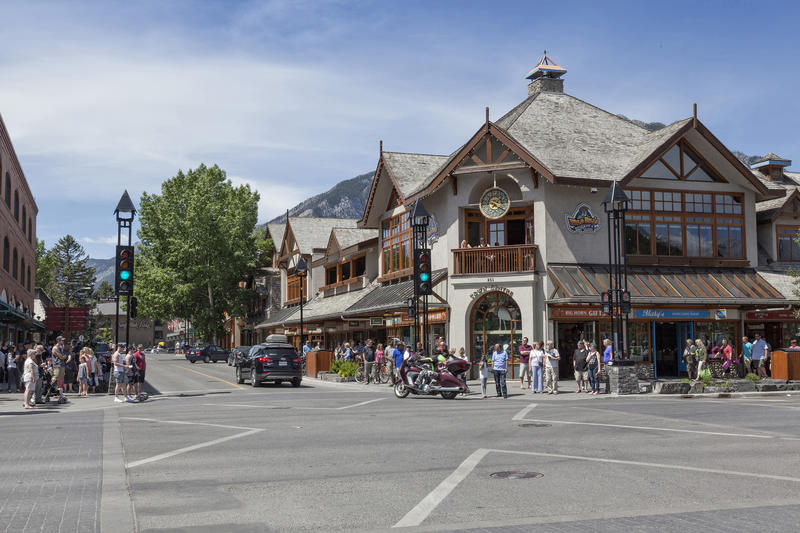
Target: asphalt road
205	454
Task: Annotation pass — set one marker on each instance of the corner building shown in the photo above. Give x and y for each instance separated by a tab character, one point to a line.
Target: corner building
519	235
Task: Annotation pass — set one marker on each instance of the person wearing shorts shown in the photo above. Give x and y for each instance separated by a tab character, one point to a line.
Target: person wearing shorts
580	366
120	376
525	363
141	366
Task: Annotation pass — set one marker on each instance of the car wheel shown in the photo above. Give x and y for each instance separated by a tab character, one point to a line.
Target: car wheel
296	382
193	361
278	383
206	359
239	376
253	381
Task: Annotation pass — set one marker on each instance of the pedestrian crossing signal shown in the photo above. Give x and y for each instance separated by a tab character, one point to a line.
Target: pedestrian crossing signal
123	279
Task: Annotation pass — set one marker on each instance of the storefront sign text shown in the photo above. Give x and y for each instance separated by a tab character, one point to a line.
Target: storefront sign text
771	315
671	313
491	288
576	313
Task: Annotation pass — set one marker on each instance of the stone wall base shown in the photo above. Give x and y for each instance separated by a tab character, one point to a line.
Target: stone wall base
622	379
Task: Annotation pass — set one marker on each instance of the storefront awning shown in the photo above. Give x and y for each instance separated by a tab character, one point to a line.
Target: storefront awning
10	313
279	316
393	296
321	307
737	287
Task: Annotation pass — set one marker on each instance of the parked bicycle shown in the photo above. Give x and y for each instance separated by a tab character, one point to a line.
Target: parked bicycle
383	372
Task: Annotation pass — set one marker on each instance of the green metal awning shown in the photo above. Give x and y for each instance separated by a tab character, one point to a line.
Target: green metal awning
10	313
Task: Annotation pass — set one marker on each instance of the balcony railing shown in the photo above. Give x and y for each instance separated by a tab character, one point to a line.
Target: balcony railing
495	259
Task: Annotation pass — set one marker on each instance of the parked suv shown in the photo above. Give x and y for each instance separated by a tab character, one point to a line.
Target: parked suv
270	361
207	354
238	353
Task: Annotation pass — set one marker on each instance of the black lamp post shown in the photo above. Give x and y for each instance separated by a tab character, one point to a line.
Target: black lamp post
420	218
124	213
301	271
616	301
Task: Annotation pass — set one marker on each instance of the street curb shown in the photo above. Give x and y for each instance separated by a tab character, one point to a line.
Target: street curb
116	502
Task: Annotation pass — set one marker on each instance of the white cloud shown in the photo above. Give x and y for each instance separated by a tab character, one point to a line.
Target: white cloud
98	240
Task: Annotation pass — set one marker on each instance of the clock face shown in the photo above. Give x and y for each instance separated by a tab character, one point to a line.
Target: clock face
494	203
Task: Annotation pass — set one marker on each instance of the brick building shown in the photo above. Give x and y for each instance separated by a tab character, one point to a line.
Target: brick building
18	212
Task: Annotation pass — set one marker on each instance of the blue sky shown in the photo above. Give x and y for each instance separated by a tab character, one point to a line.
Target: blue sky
293	96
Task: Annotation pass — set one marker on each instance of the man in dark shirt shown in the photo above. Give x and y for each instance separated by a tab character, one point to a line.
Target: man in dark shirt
524	363
581	367
369	360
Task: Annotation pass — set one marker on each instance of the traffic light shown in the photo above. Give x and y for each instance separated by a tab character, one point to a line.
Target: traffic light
606	300
423	284
123	279
134	302
626	302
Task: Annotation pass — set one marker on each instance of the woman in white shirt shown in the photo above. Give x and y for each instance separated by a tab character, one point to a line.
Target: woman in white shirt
29	376
537	357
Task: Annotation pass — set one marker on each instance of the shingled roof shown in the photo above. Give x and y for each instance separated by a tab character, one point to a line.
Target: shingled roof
347	237
410	172
276	231
312	233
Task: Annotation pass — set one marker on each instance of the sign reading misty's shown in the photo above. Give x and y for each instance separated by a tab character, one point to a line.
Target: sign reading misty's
582	220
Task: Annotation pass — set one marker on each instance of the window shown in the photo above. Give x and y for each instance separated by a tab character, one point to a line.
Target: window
29	279
8	190
693	229
22	272
514	229
330	275
360	266
345	271
637	235
351	269
293	287
5	254
788	247
681	162
30	231
396	243
14	261
24	219
497	234
16	205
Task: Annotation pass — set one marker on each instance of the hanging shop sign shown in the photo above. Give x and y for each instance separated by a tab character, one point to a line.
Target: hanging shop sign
376	321
491	288
582	220
580	312
771	315
671	313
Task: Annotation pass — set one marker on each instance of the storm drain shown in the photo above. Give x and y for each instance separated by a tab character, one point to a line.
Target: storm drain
534	425
512	474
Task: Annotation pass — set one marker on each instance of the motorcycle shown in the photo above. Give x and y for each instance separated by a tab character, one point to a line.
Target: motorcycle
417	376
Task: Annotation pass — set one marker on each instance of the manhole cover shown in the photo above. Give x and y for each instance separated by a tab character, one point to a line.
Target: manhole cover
534	425
515	475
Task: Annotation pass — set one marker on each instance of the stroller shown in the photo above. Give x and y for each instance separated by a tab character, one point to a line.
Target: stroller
50	388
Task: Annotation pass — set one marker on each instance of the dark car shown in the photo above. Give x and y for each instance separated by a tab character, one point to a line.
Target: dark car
271	361
238	353
206	353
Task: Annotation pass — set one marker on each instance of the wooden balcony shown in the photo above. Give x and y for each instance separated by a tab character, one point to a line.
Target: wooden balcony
494	259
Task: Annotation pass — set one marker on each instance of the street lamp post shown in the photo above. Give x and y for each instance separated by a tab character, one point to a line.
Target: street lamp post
420	218
124	214
616	301
301	271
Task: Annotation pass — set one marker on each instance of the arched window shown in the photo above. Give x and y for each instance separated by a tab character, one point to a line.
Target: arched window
8	190
22	272
14	264
29	279
30	231
24	218
16	205
5	254
496	319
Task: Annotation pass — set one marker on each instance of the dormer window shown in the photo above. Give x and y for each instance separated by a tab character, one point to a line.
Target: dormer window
346	272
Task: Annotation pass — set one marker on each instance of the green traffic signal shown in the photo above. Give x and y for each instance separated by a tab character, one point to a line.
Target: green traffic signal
125	274
424	276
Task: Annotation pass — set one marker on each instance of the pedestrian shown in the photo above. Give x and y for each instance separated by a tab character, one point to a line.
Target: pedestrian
380	361
42	364
397	357
99	375
307	348
701	354
500	367
593	365
759	353
766	362
369	361
29	376
140	363
608	352
13	370
537	366
348	353
3	350
120	376
337	352
579	366
483	374
552	357
689	358
83	374
524	363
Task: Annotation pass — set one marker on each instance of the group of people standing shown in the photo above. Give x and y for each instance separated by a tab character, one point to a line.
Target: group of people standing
754	357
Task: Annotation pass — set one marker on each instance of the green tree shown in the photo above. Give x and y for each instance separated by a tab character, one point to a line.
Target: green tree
105	291
73	280
44	267
197	244
265	248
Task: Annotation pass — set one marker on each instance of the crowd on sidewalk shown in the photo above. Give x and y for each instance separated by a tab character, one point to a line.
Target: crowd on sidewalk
44	371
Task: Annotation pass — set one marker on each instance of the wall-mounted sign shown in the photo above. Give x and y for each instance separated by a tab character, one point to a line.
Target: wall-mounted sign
671	313
771	315
721	314
582	220
376	321
579	312
494	203
491	288
433	316
353	323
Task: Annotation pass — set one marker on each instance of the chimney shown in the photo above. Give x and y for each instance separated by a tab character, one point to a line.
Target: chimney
771	166
546	77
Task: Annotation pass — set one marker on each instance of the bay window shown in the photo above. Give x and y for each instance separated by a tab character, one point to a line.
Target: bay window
396	243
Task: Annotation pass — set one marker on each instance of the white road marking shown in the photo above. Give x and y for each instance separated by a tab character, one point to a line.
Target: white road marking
525	411
179	451
358	404
424	508
256	406
188	423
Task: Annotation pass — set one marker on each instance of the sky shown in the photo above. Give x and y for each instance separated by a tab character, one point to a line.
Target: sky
293	96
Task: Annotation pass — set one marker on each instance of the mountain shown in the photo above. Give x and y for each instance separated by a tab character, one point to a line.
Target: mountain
346	199
103	270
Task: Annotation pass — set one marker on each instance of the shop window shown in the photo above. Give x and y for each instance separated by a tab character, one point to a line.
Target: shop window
712	333
639	345
788	247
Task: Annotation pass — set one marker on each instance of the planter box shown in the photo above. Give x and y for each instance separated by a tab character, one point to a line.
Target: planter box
335	378
671	387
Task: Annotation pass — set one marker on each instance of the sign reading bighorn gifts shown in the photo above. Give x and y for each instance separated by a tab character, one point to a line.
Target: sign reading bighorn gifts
579	312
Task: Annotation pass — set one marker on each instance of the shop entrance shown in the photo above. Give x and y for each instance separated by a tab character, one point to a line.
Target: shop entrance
569	333
496	319
668	347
